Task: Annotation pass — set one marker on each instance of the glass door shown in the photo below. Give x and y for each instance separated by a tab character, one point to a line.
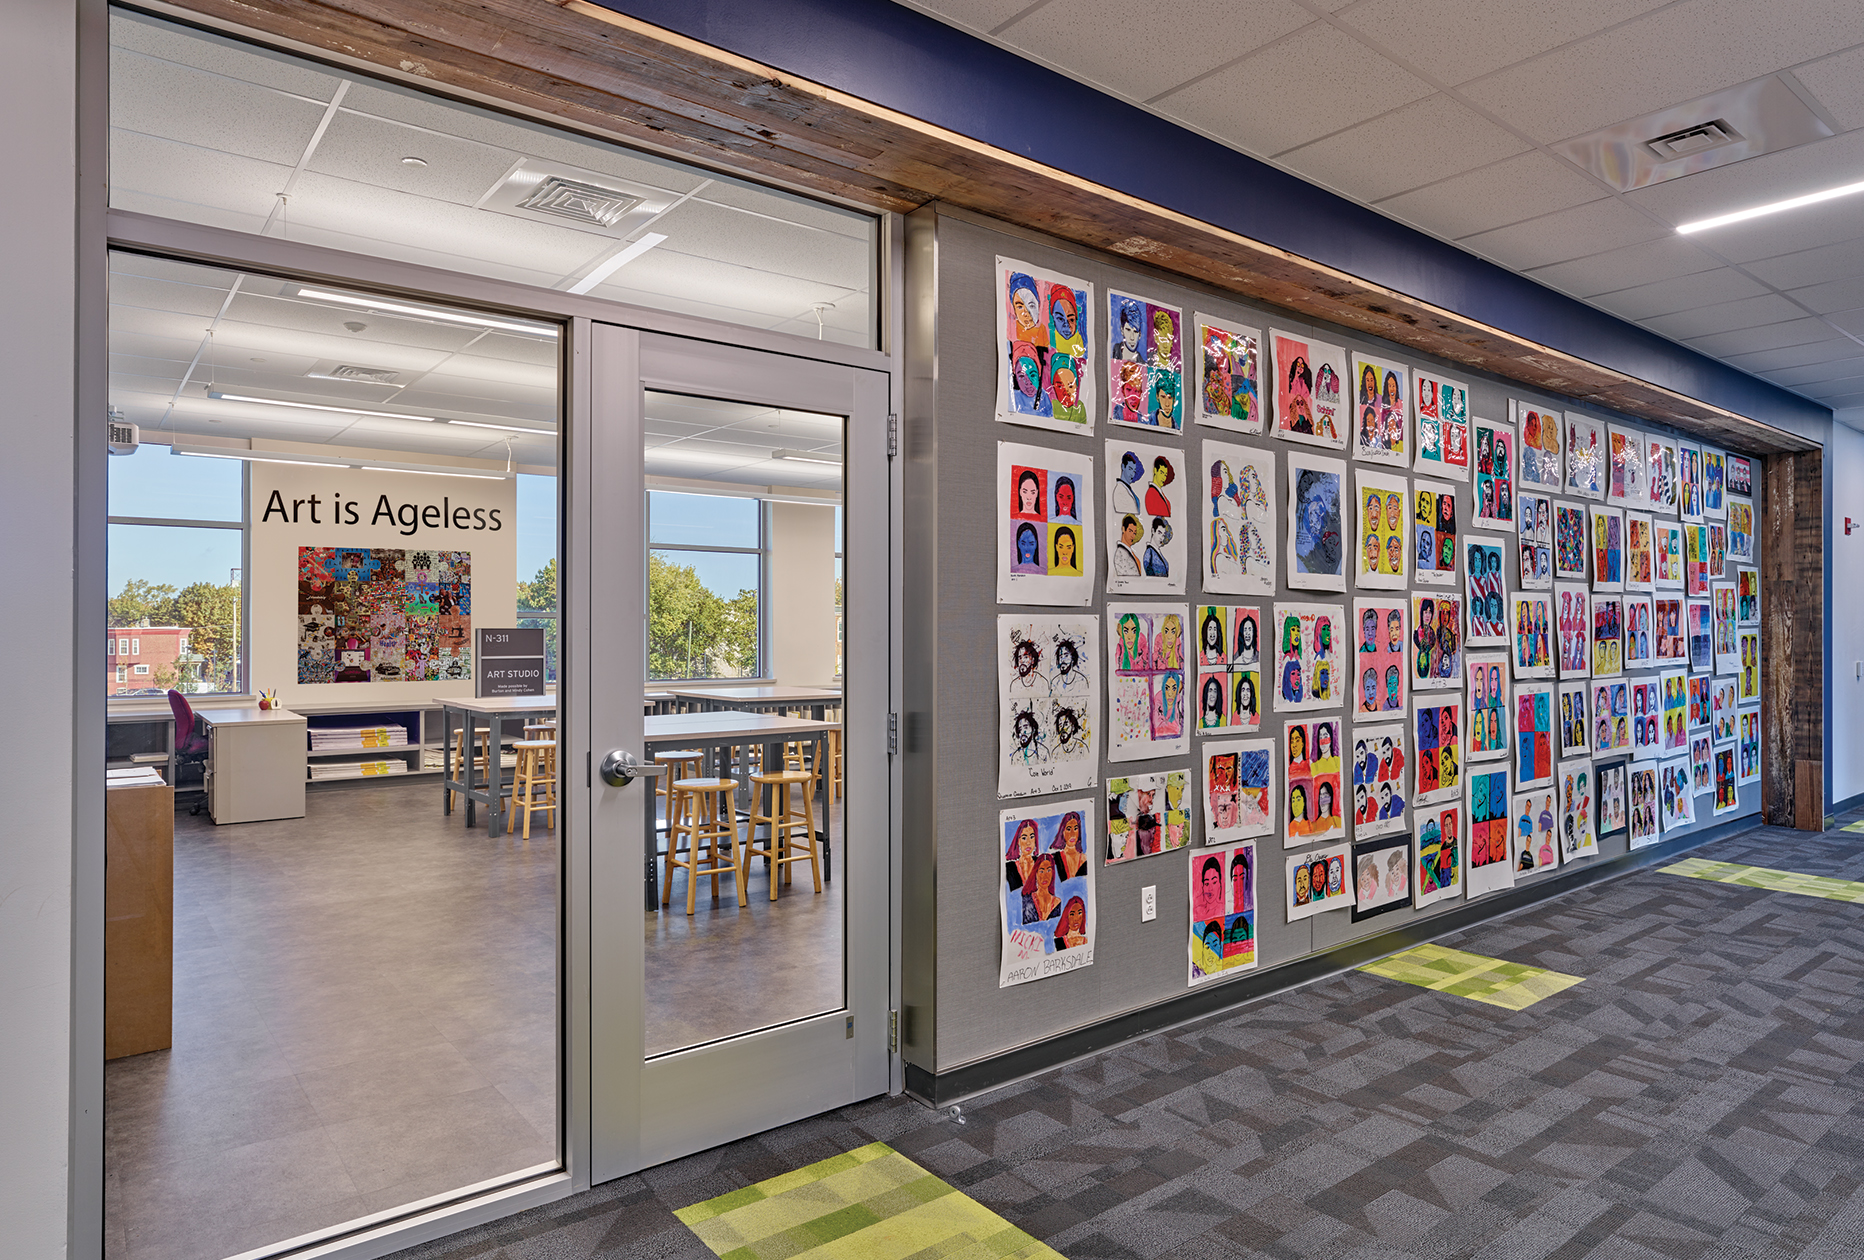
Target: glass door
733	510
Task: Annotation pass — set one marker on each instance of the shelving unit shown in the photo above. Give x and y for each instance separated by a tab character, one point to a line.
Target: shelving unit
422	721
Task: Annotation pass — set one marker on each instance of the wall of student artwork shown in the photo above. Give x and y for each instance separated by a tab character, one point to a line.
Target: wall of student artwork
416	561
1246	513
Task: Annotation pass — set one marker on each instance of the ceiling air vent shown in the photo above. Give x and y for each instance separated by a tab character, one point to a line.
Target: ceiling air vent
1690	140
350	372
585	203
1744	121
568	196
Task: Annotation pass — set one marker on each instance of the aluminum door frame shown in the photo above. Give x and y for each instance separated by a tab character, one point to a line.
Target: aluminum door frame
645	1112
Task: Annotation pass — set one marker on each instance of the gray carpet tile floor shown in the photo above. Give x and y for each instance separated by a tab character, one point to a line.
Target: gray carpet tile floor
1700	1095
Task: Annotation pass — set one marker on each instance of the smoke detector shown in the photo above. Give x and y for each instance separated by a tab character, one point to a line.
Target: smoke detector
569	196
1732	125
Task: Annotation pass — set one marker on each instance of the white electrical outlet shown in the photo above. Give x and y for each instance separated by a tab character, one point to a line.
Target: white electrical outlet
1148	903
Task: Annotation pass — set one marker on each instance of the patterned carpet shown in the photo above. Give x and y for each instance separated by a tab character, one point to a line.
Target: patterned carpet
1698	1094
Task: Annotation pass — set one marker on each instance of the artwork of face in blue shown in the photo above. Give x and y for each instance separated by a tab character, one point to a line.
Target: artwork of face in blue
1317	537
1028	546
1426	548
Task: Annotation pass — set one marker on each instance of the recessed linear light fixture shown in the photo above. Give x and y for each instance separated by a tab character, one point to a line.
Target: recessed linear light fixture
426	312
1772	207
290	457
807	457
615	262
336	407
508	428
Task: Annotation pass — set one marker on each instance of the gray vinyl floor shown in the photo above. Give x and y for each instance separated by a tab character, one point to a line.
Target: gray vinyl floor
365	1015
1699	1095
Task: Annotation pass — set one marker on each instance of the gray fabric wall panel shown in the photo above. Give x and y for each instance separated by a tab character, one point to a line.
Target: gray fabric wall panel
1136	964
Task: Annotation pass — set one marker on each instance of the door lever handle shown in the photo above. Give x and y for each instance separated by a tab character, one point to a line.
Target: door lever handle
621	767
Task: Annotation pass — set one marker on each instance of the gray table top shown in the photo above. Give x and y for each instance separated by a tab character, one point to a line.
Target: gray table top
729	724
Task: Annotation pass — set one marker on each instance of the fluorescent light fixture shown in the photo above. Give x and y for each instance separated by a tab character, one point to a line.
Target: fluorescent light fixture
336	407
509	428
426	312
432	472
1772	207
616	261
234	452
807	457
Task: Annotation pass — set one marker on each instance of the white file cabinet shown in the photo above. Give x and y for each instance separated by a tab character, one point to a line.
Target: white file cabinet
255	764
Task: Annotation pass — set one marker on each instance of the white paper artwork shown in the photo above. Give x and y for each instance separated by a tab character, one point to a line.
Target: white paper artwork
1048	704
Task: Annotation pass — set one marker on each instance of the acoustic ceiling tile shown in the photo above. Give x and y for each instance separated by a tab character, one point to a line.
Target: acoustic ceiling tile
1675	54
1315	82
1665	258
1792	332
1582	231
1756	180
1415	145
983	16
1721	317
1440	37
1840	261
1792	356
1135	51
1838	84
1724	284
1510	191
1836	295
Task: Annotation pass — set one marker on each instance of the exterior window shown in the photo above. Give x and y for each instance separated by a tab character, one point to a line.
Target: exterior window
705	578
122	673
538	608
177	541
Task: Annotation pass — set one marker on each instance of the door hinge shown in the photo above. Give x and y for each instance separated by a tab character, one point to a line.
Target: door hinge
893	734
893	434
893	1032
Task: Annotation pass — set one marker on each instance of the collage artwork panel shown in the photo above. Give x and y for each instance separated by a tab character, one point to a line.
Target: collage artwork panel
384	614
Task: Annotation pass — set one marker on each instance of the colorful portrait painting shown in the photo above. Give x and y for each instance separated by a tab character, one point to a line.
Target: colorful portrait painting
1535	535
1311	763
1238	550
1048	704
1146	518
1238	779
1229	668
1575	732
1379	798
1740	475
1533	825
1676	795
1747	747
1045	526
1492	455
1640	637
1310	390
1586	457
1640	553
1223	912
1543	458
1317	881
1434	532
1147	814
1531	633
1229	376
1381	876
1308	640
1381	643
1148	655
1145	363
1668	536
1644	829
1747	596
1046	902
1488	705
1442	411
1667	619
1436	641
1577	838
1611	717
1740	528
1381	520
1572	604
1628	485
1486	591
1646	718
1608	549
1608	635
1695	560
1714	485
1534	735
1614	806
1044	377
1437	743
1674	686
1490	869
1689	486
1661	474
1317	522
1437	872
1381	411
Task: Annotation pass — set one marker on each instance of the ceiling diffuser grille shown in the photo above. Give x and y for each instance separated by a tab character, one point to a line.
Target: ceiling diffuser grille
350	372
583	203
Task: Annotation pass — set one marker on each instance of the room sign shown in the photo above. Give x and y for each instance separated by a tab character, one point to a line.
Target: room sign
509	663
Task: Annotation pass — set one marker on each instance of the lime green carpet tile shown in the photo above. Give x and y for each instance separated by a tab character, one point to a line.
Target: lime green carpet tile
870	1204
1769	879
1856	826
1511	985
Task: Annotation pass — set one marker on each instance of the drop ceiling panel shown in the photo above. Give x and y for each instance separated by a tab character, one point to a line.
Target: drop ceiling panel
1838	83
1314	82
1454	44
735	238
1792	356
690	281
220	56
1756	181
981	16
1127	48
1804	331
1838	295
1665	258
165	295
403	343
1414	145
1519	188
1723	317
1841	369
1565	234
1674	54
1851	321
788	209
1724	284
1841	261
160	98
1808	228
369	150
192	183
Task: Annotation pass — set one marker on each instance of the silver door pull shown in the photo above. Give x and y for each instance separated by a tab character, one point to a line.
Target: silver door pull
621	767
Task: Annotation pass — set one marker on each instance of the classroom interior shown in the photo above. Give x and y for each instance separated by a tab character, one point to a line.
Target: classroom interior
354	1005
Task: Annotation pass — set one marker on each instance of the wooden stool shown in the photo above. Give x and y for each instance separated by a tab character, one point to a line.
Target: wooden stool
465	761
536	769
834	785
681	763
701	810
785	810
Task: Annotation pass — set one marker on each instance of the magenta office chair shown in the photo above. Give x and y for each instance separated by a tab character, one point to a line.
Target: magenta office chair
190	744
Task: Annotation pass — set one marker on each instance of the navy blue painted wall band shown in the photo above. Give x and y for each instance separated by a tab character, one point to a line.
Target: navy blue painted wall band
902	59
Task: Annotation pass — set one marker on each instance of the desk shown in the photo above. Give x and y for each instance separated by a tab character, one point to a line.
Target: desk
659	701
763	699
496	712
716	734
139	919
255	764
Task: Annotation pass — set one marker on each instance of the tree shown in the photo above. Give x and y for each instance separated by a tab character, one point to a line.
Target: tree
139	602
693	632
540	595
210	611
